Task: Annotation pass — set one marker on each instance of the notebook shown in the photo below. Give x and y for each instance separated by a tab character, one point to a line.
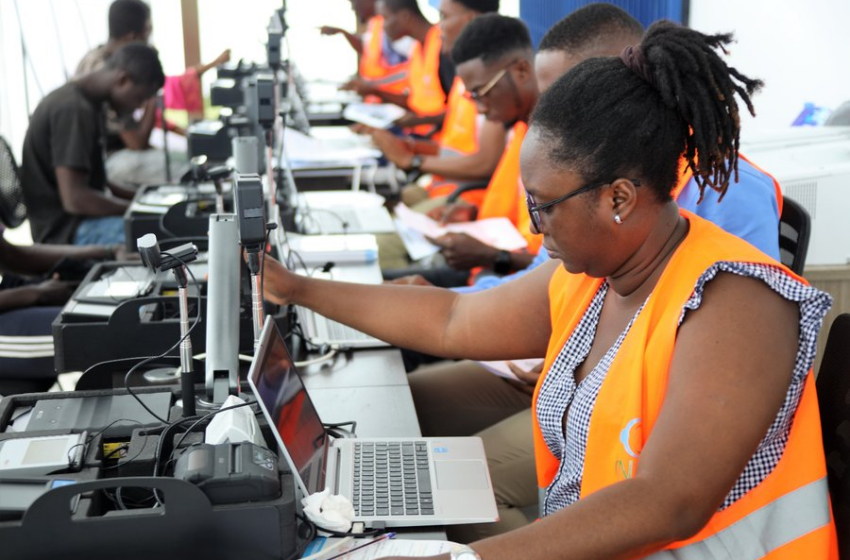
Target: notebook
401	482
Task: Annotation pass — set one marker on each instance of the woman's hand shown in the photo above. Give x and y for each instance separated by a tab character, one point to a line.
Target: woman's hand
278	282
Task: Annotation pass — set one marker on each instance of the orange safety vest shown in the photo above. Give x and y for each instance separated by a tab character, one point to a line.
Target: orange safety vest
459	137
391	78
788	514
685	175
426	96
505	195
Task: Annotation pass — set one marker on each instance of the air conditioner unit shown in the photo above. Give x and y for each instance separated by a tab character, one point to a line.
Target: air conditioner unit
812	166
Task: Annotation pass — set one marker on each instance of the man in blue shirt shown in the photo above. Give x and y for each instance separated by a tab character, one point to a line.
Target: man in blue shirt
463	398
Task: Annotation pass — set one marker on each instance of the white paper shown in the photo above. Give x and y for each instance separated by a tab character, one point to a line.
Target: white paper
414	242
386	547
501	368
496	232
376	115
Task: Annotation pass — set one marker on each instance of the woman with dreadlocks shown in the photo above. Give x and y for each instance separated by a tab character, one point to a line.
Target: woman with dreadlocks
677	417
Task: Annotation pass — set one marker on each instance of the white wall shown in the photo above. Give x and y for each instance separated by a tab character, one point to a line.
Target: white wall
800	49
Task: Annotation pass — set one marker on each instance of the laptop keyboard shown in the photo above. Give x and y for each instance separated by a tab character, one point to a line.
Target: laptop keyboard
392	479
340	332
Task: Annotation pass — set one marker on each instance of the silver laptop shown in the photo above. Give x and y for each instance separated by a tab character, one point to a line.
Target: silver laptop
319	330
401	482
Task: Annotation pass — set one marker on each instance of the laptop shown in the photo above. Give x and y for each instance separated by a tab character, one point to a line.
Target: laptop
400	482
319	330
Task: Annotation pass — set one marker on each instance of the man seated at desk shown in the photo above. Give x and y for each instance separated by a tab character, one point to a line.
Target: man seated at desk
62	173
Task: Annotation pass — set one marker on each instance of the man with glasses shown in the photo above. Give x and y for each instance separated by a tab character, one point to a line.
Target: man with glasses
463	398
495	60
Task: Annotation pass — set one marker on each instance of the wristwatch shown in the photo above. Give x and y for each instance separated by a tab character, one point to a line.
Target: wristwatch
502	263
415	164
463	552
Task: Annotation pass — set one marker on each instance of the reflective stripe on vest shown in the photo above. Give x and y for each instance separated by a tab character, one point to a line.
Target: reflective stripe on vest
426	94
391	78
790	517
635	388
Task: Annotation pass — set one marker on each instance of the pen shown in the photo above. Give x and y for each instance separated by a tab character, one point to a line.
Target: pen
383	537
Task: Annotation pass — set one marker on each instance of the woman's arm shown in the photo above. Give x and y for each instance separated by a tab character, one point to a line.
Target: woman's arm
511	321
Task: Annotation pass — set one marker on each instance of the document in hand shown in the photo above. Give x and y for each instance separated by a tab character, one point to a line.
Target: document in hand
376	115
501	368
413	228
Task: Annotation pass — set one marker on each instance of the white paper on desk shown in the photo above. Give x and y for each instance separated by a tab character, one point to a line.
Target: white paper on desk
376	115
496	232
392	547
501	368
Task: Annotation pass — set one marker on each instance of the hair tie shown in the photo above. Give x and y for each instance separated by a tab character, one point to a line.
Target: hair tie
632	56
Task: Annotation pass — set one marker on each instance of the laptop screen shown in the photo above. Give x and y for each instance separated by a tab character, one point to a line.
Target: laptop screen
288	408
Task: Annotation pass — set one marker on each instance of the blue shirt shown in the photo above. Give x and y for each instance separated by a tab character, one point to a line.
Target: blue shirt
749	210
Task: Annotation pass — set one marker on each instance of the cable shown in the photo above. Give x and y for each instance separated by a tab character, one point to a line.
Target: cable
94	435
331	532
324	358
189	332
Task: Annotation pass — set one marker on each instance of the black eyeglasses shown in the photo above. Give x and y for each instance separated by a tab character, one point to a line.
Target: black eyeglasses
534	209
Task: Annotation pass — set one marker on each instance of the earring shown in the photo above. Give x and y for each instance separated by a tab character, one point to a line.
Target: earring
618	219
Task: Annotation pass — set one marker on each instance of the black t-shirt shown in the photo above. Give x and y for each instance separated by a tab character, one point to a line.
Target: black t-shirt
66	130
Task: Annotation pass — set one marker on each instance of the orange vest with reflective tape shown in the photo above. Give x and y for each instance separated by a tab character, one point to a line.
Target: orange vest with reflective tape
391	78
505	195
459	137
788	514
426	97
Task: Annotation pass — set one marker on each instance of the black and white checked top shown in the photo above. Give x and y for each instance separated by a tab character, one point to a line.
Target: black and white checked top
559	394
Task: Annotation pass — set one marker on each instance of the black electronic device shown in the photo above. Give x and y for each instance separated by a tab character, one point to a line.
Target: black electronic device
117	415
250	212
231	472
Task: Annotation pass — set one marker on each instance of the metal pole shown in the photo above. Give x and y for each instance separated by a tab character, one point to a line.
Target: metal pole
187	375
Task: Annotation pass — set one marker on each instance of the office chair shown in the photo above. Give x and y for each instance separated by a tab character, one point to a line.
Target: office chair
466	188
833	387
795	226
13	211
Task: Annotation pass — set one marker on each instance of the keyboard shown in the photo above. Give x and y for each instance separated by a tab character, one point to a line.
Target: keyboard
337	332
392	479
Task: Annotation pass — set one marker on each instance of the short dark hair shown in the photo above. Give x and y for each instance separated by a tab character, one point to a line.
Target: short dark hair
490	37
398	5
127	16
588	25
140	62
480	6
607	118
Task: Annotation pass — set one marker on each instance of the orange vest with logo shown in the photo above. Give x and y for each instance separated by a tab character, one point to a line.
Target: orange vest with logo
788	514
426	96
391	78
459	137
505	195
686	174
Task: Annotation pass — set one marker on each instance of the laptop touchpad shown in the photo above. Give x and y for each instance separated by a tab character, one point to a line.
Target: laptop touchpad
461	475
